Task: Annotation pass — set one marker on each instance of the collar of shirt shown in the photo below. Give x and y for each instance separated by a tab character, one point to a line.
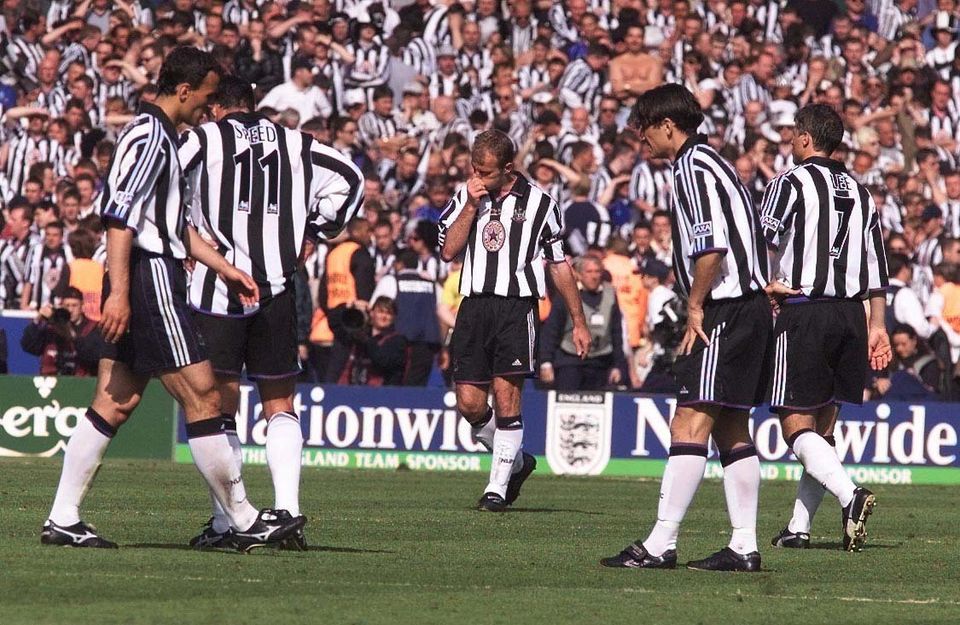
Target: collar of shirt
690	143
829	163
245	117
166	122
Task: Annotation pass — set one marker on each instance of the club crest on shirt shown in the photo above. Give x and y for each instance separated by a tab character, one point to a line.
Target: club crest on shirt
579	432
519	215
493	236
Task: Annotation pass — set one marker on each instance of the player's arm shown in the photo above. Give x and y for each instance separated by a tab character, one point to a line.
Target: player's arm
337	192
878	340
705	270
116	308
237	281
458	217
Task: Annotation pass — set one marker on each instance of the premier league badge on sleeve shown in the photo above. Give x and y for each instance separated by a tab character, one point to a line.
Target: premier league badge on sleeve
493	236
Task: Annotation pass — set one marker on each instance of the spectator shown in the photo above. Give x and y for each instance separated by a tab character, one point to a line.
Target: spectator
903	305
348	280
47	270
377	353
605	362
14	252
416	296
916	373
67	342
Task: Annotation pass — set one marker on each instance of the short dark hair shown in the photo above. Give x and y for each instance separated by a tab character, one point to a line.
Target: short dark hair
185	65
823	124
671	101
497	143
408	259
72	292
896	263
383	91
234	92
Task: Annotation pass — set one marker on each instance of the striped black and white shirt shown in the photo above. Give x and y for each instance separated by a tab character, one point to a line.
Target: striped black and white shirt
27	150
13	270
47	270
507	260
374	126
522	37
143	189
530	76
370	68
258	189
436	27
24	58
580	86
650	184
713	212
827	231
421	56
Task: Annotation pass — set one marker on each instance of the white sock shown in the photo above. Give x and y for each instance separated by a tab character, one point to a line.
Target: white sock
741	485
215	460
221	522
681	478
810	493
483	433
820	460
507	441
81	460
284	448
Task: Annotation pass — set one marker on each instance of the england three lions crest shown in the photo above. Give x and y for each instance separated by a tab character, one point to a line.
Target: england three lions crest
579	428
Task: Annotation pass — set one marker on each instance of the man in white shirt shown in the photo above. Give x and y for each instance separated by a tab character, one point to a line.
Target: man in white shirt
903	305
300	94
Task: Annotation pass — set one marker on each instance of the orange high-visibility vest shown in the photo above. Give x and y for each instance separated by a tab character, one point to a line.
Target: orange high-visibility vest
631	295
86	276
951	305
341	287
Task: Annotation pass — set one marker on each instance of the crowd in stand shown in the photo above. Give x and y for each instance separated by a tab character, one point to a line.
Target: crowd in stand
403	86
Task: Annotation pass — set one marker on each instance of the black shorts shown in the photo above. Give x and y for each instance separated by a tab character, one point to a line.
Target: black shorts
494	337
733	370
265	342
161	335
820	354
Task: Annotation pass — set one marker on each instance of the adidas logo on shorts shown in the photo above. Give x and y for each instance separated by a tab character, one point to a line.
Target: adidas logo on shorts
516	363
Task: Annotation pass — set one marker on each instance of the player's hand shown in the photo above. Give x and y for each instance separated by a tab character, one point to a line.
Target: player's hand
879	346
475	190
114	318
546	373
582	339
242	284
882	385
694	329
614	377
778	291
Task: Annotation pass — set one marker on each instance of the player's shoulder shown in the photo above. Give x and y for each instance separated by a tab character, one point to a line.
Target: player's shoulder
143	125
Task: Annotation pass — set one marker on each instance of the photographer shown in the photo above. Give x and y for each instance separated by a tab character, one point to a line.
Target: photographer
377	352
67	342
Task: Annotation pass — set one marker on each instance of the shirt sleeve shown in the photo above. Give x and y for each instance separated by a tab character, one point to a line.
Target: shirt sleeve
450	213
136	164
551	238
697	200
776	209
337	191
876	256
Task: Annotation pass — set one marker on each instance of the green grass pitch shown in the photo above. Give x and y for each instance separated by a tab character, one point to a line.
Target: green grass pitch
406	547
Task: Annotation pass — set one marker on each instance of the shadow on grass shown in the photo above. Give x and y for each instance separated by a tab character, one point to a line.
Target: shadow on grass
181	547
836	546
553	511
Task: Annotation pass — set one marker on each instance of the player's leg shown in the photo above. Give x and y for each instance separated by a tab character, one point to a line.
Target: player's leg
741	486
284	441
809	492
194	387
507	440
689	433
117	394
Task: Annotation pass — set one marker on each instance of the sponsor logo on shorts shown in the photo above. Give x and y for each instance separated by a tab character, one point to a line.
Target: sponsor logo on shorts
516	363
703	229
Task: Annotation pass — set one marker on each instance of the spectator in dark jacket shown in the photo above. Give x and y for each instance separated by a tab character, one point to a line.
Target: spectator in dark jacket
67	342
258	61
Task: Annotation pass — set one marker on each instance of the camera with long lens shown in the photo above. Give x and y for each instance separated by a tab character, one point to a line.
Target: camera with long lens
669	332
355	319
60	316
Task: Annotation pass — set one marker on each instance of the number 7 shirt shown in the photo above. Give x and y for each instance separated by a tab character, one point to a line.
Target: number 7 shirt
826	231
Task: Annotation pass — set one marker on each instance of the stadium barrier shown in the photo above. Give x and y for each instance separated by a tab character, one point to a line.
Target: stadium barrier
38	414
616	434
